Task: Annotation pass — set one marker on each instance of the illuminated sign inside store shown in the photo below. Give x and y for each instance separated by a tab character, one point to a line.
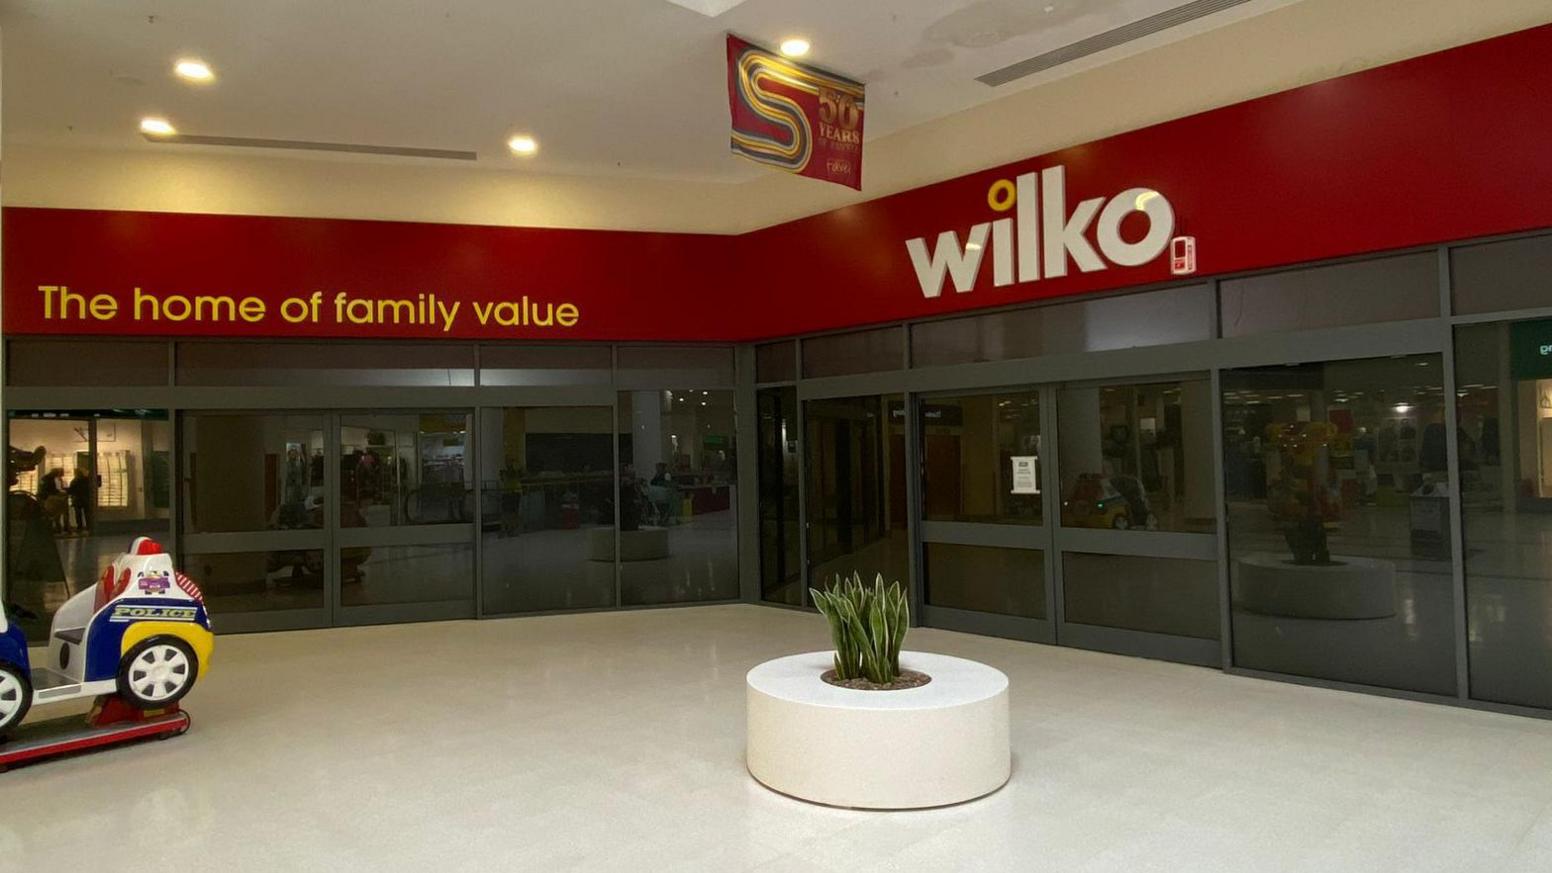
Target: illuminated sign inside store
1044	230
1531	344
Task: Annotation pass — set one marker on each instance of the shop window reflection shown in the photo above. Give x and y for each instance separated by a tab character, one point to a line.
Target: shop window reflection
246	582
981	458
548	508
1504	384
678	502
252	472
1137	457
781	573
1172	596
985	579
82	485
1338	545
404	469
854	457
406	574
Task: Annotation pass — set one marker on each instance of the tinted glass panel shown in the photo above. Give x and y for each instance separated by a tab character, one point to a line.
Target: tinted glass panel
1137	457
405	468
251	472
863	351
981	458
1505	442
1332	473
1513	274
546	365
1362	292
406	574
657	366
781	574
776	362
335	363
678	507
235	582
986	579
854	454
548	513
1173	315
46	363
1156	595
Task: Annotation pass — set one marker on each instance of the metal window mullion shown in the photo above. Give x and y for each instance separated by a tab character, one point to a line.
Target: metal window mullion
1221	515
1052	509
914	501
476	447
803	447
96	489
332	497
1452	471
619	482
174	479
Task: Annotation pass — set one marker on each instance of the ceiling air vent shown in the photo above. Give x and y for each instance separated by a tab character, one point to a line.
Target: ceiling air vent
303	145
1108	40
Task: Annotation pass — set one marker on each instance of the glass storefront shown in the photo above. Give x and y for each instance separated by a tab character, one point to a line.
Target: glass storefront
1313	496
381	503
855	499
1137	457
548	524
980	458
678	536
255	505
1336	477
982	511
781	573
1336	472
1503	376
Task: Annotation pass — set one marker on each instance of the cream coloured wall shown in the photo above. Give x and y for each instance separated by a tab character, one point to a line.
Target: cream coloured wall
1305	42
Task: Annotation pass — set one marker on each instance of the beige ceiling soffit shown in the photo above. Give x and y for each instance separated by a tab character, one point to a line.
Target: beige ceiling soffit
304	145
1108	40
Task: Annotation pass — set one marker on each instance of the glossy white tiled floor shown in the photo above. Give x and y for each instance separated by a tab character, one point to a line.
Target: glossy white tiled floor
614	742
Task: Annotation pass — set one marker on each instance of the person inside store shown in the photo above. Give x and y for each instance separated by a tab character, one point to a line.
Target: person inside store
660	491
80	493
55	501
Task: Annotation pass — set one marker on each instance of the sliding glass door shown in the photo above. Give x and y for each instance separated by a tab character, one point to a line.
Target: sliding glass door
308	519
985	540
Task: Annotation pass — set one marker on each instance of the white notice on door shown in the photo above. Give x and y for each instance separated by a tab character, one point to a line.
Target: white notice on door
1026	474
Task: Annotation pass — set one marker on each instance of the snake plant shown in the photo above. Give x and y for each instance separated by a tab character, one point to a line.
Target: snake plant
867	624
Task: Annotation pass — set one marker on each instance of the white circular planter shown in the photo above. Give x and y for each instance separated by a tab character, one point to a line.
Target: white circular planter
1348	588
944	742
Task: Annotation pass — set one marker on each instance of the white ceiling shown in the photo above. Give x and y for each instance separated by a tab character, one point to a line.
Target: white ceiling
633	87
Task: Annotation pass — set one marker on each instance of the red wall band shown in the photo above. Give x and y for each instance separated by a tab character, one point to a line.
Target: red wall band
1447	146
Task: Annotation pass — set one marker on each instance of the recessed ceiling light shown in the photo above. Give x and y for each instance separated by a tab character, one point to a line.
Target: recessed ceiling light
796	47
151	126
194	70
523	144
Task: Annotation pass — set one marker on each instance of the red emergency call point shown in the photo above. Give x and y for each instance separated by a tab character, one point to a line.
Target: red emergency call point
1182	255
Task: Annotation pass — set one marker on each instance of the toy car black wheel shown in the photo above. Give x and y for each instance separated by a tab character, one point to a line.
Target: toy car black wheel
158	672
15	698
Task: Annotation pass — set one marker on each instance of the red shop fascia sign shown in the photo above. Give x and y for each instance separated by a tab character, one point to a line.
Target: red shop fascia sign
1443	147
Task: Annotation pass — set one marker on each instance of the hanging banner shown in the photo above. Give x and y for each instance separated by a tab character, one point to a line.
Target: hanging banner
794	117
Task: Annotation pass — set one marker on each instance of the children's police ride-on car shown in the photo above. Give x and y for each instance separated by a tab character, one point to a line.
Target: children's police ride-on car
137	641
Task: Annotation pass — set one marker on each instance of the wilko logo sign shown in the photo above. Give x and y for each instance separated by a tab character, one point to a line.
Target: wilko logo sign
1042	234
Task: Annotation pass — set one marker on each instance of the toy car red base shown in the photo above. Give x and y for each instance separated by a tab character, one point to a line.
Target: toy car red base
111	722
137	641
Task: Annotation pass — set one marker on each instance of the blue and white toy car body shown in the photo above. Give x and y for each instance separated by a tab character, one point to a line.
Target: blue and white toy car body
141	632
